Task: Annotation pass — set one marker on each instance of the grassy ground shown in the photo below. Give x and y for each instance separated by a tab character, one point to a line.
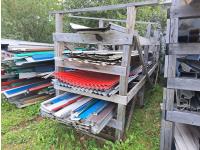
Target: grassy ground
25	129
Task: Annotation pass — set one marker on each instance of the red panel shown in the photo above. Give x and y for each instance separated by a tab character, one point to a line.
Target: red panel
87	79
68	103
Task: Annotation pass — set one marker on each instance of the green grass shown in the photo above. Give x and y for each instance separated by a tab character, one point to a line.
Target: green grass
23	129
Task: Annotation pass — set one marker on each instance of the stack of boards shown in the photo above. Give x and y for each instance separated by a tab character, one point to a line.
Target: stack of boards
84	113
25	67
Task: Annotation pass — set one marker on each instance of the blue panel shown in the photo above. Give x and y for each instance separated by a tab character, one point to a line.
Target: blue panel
86	105
22	88
64	97
43	56
95	108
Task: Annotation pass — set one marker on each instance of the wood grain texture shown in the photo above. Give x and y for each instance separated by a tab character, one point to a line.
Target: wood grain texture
108	38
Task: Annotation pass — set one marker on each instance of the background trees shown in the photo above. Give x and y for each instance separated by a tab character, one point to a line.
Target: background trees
30	20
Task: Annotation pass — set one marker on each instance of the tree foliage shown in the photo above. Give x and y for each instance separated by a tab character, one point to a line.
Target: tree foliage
30	20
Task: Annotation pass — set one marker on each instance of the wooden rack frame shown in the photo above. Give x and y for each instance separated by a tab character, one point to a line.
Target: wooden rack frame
125	40
179	10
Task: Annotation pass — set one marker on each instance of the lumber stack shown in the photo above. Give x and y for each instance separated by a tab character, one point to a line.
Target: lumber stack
24	66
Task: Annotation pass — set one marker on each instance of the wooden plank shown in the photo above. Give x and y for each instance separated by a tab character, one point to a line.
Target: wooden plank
184	48
123	84
183	117
112	20
163	122
95	18
107	38
58	46
123	87
130	115
168	32
184	84
141	97
185	12
101	25
173	30
109	69
114	98
139	85
167	129
171	68
108	7
117	28
166	66
139	48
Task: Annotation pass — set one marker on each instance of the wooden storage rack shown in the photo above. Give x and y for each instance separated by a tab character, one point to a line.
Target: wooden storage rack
180	10
126	40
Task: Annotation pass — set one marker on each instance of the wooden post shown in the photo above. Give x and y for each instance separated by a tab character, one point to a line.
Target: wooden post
123	84
146	48
101	25
58	46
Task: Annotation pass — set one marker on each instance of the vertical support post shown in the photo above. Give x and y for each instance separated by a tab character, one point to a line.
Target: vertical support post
123	84
167	128
58	46
146	48
101	25
140	96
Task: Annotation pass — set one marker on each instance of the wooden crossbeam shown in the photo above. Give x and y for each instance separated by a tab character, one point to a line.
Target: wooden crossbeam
108	7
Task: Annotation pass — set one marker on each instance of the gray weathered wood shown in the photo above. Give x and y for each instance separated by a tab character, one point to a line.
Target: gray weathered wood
141	97
108	38
108	7
101	25
58	46
173	30
184	48
139	85
183	117
167	130
119	99
117	27
184	84
112	20
130	115
185	12
171	68
142	61
109	69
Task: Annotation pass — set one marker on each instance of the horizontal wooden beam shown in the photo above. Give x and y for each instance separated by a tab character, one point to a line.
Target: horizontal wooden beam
185	11
94	18
184	48
183	117
140	84
109	69
113	20
104	38
114	98
184	84
108	7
